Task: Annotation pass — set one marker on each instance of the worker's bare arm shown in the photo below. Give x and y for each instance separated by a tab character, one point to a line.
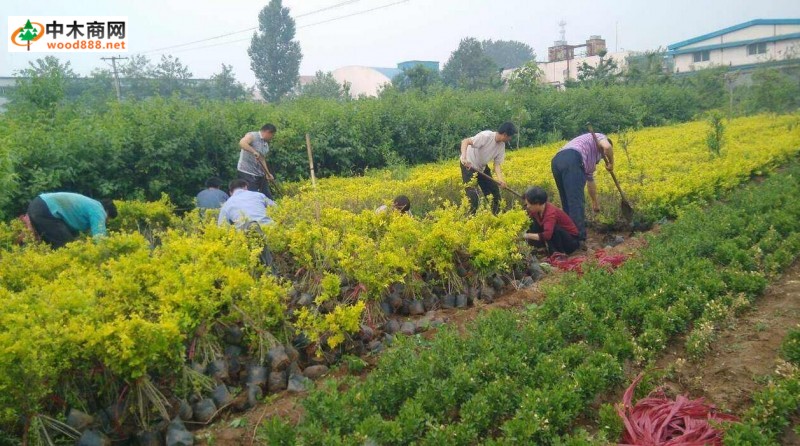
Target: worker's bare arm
466	142
245	144
608	150
498	171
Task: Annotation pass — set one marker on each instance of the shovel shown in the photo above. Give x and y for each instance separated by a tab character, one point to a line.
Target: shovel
625	206
275	187
497	182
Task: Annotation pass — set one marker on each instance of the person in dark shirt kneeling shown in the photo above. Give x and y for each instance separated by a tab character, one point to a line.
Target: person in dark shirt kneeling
212	197
550	226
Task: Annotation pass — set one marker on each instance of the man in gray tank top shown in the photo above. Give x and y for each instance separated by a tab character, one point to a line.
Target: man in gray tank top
252	166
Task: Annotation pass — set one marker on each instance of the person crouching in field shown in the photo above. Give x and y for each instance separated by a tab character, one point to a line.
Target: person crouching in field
401	203
212	197
244	207
58	218
550	226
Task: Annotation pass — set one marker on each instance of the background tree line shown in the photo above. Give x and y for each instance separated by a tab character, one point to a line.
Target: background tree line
169	132
141	148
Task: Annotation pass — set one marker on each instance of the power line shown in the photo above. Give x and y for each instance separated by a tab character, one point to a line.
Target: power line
209	46
299	27
328	8
316	11
353	14
197	41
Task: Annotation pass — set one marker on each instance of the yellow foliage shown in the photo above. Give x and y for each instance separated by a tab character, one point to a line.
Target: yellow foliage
669	167
130	301
334	325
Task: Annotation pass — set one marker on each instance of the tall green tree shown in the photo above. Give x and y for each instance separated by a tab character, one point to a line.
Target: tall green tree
605	73
526	79
418	78
325	86
774	91
470	68
709	85
97	89
274	54
646	69
224	86
171	76
136	77
42	85
508	53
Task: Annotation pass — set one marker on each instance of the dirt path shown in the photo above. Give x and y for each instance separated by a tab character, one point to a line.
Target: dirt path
744	354
727	376
288	406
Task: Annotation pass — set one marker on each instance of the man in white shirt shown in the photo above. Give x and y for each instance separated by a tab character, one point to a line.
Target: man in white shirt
244	206
476	152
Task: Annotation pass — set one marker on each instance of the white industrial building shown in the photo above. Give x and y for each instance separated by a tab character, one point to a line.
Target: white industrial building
557	72
563	60
365	80
741	46
369	81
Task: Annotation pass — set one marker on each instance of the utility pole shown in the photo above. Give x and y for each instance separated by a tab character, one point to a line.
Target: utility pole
114	60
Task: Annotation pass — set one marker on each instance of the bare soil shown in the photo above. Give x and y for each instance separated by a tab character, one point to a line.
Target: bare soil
288	406
744	353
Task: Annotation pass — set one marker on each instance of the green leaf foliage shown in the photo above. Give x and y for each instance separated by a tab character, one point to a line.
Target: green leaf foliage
274	54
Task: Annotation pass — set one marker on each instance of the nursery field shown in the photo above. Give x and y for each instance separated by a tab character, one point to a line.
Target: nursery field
174	318
660	168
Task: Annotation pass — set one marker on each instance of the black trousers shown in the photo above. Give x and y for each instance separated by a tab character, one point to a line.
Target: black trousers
266	255
51	229
562	241
488	187
256	184
567	167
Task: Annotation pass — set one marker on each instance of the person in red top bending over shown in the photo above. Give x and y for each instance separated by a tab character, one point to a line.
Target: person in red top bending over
550	226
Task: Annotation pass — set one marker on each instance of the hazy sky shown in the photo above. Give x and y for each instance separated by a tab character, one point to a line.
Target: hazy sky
410	30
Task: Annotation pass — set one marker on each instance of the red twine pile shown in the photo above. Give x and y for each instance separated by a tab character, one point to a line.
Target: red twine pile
659	421
562	262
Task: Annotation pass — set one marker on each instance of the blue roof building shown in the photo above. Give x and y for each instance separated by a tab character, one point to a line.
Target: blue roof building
746	45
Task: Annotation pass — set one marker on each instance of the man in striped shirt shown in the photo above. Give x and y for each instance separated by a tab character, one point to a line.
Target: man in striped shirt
573	169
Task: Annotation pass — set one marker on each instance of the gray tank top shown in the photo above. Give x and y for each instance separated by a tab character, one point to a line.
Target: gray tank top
247	162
